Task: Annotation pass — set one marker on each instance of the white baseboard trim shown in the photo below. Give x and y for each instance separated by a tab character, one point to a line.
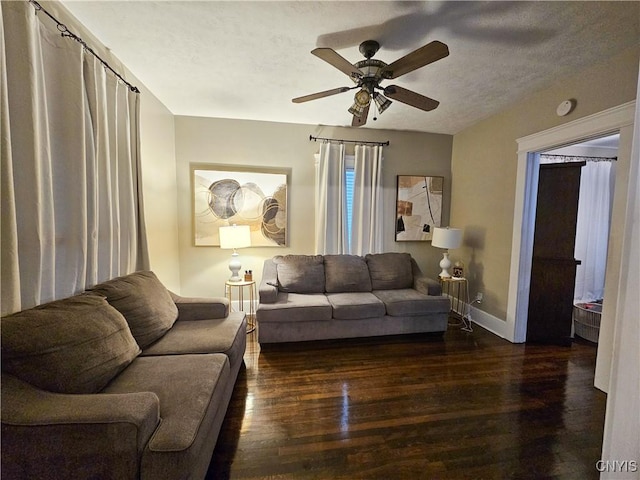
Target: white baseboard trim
485	320
489	322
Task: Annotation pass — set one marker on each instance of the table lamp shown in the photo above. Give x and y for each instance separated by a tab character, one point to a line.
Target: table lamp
235	236
446	238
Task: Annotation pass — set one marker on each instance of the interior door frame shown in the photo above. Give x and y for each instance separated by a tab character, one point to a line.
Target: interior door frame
616	119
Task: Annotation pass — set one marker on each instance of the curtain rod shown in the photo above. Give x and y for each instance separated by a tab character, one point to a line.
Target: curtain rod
65	32
581	157
382	144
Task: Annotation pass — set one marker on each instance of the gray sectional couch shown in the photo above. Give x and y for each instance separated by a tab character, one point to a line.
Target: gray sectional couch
127	381
317	297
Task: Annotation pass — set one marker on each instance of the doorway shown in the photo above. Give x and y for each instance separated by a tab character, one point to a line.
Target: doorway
617	119
573	213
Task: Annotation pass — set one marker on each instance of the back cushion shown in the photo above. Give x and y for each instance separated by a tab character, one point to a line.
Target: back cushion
145	303
75	345
390	271
300	273
346	273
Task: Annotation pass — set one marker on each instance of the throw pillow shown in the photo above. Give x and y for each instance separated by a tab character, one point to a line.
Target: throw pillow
346	273
75	345
300	273
144	302
390	271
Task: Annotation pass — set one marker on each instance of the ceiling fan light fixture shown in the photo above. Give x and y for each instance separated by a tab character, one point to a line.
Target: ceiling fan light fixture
362	97
382	102
356	110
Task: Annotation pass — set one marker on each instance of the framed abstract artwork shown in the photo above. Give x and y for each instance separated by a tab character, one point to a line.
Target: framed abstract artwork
418	207
227	195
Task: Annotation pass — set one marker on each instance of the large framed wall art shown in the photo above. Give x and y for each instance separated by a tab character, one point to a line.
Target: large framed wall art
418	207
227	195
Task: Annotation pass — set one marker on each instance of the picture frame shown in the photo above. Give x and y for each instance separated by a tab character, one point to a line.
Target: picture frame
418	207
242	195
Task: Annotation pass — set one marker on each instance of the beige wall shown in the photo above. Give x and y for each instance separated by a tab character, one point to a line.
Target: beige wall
265	144
484	164
157	145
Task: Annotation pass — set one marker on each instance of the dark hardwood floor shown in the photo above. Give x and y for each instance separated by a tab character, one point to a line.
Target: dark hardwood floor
466	406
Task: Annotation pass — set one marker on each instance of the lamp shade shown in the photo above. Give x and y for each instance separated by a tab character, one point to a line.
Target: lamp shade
381	101
447	237
235	236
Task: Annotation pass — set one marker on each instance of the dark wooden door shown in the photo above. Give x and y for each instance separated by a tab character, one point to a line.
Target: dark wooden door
553	269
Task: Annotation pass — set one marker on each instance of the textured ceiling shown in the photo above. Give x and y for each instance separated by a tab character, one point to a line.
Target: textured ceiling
247	60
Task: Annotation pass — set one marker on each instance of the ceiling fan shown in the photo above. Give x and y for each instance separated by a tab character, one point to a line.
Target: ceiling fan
367	75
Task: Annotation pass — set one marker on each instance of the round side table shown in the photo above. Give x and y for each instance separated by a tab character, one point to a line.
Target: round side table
240	287
457	289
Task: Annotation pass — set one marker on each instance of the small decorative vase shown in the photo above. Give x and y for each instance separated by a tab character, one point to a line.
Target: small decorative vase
458	269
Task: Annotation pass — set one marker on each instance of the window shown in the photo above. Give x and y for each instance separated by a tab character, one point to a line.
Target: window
349	208
349	178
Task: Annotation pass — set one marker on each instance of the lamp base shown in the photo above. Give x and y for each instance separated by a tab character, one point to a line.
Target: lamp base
235	266
445	265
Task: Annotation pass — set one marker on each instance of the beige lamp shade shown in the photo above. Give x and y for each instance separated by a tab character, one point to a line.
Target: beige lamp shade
446	238
235	236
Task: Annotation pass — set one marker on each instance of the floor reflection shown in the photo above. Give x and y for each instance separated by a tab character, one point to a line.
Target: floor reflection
470	405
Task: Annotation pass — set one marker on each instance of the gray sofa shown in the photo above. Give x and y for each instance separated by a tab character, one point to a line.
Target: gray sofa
317	297
126	381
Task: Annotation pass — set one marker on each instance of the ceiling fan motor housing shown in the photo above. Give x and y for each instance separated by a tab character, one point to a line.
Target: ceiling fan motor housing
368	48
372	73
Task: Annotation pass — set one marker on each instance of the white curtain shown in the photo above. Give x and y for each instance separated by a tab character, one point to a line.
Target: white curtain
331	209
331	229
366	228
592	229
71	188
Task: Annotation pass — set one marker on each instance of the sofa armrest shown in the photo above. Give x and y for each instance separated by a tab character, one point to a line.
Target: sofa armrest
47	434
201	308
268	290
422	283
427	285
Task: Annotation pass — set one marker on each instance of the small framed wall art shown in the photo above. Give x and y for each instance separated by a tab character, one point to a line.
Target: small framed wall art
418	207
229	194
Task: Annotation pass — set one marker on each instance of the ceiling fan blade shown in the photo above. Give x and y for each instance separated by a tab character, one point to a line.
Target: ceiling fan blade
411	98
332	57
326	93
418	58
362	119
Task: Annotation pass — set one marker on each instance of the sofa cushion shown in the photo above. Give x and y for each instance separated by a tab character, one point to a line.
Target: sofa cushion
217	335
300	273
295	307
145	303
191	390
346	273
390	270
355	305
408	302
74	345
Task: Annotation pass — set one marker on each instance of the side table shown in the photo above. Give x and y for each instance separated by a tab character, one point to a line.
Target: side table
240	286
457	289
